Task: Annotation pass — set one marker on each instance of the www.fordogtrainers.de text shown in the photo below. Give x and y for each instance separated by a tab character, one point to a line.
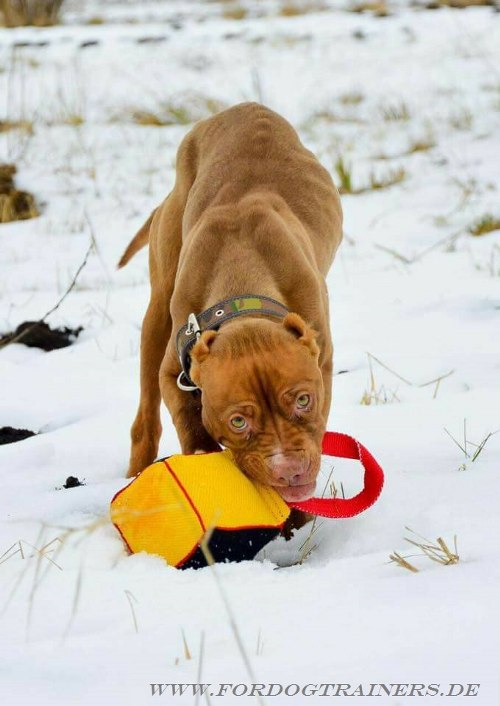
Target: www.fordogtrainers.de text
327	690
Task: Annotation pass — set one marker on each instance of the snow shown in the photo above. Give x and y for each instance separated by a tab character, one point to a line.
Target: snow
410	287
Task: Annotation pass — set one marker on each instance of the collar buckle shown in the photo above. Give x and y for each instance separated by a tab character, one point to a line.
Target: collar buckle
193	326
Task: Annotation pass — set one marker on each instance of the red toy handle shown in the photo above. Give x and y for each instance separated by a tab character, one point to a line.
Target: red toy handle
344	446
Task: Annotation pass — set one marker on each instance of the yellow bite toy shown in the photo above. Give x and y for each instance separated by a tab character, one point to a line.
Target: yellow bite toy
173	504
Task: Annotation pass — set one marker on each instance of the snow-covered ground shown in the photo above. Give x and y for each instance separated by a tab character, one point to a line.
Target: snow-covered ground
410	286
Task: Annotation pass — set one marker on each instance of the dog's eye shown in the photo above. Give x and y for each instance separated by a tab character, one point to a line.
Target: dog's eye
303	401
238	422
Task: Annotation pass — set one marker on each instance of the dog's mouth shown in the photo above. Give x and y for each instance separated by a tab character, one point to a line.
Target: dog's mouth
296	493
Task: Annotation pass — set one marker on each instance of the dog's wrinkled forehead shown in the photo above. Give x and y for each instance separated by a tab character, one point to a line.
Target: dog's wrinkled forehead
261	378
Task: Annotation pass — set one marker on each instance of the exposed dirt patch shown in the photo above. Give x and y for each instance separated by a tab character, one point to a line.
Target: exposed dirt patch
38	334
72	482
9	435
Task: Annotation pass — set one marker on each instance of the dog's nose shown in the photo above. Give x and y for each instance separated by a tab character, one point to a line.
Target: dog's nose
287	468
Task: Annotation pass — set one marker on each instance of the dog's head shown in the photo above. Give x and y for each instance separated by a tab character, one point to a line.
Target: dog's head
262	398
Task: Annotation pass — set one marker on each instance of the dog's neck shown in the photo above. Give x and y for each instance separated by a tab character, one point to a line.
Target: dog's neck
213	318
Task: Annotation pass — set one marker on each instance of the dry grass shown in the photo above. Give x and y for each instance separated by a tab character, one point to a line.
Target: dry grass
401	561
437	551
96	20
26	551
344	172
393	176
395	112
205	548
307	547
485	224
291	9
131	600
378	7
352	98
462	119
458	4
73	119
145	117
20	546
417	145
260	644
24	125
187	652
421	145
195	108
15	205
375	394
19	13
379	395
470	454
330	116
237	12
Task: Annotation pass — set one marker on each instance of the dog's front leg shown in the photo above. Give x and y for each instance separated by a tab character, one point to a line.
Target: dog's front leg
185	410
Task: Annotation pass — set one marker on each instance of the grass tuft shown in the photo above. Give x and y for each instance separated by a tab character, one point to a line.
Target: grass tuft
485	224
464	446
73	119
260	644
235	13
462	119
375	395
457	4
352	98
195	108
20	13
378	7
344	173
291	9
437	551
145	117
402	562
393	176
24	125
15	205
379	395
131	600
421	145
187	652
396	112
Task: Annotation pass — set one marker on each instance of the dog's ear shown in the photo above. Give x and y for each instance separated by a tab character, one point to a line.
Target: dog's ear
302	332
201	348
199	353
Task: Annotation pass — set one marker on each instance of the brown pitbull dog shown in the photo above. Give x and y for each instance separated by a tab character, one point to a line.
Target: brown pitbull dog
248	233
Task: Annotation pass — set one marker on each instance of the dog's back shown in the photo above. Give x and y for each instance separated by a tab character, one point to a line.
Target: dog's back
250	149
